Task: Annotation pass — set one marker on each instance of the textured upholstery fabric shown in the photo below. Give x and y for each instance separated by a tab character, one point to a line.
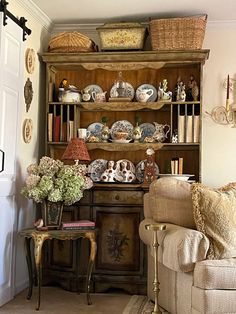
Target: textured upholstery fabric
180	248
211	287
215	274
215	215
214	301
170	201
146	209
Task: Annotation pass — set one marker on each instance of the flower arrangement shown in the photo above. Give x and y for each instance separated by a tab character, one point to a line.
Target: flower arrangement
54	181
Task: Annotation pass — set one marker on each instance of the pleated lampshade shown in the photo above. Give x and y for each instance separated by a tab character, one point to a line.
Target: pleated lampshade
76	150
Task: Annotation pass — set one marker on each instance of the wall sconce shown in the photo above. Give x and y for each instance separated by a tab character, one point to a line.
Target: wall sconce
225	115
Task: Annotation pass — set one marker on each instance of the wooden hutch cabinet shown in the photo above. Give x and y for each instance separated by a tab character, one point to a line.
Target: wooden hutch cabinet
117	208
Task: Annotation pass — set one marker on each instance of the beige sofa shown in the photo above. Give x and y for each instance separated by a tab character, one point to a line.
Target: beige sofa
189	283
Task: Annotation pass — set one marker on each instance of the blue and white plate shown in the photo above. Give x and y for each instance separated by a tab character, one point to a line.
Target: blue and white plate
96	169
95	129
145	87
147	129
122	126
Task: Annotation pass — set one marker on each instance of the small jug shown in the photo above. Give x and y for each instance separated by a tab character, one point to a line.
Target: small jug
161	131
99	97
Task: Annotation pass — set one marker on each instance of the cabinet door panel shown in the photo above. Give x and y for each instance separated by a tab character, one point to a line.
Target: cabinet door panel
118	240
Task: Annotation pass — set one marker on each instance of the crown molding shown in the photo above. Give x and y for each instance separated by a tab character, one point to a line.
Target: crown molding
91	27
221	24
88	28
36	13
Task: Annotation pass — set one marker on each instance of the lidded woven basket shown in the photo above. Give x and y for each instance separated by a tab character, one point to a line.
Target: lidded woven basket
71	42
178	33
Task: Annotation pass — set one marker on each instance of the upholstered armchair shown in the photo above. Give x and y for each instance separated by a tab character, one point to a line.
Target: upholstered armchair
196	268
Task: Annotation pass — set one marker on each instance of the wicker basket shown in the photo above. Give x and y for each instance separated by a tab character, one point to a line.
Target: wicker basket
178	33
71	42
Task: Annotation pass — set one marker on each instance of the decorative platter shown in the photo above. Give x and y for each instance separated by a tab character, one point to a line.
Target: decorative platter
122	126
145	87
129	91
92	88
147	129
27	130
96	169
95	129
140	170
182	177
30	58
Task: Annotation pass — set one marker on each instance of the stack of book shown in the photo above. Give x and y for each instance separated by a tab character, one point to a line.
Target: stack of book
78	225
59	130
177	165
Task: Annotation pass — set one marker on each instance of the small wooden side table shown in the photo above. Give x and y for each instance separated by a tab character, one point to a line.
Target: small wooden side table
155	228
39	237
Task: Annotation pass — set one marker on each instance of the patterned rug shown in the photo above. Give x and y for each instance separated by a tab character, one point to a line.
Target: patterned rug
140	304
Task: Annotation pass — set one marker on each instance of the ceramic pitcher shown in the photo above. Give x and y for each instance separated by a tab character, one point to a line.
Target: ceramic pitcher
161	131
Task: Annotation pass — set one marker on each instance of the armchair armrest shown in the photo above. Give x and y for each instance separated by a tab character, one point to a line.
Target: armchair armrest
180	248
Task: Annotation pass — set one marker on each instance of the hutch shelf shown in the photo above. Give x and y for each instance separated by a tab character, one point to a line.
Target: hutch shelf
117	208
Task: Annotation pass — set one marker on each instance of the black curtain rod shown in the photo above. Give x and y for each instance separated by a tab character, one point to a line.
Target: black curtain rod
21	22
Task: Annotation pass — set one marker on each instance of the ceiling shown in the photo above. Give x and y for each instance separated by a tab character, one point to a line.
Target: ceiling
95	11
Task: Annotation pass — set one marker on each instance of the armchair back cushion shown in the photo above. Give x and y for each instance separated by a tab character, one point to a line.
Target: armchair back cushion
170	201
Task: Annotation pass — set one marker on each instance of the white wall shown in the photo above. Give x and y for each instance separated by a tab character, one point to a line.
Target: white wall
29	153
218	141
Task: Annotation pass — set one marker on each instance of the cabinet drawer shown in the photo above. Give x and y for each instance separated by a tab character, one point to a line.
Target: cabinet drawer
118	197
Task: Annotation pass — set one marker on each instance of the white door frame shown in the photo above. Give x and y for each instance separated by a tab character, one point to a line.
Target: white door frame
10	34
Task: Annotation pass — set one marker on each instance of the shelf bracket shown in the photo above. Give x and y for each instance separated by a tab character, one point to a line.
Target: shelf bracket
21	21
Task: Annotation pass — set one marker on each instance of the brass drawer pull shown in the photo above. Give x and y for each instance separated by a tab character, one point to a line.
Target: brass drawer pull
117	197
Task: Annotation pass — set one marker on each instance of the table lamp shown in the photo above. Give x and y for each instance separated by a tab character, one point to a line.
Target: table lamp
76	150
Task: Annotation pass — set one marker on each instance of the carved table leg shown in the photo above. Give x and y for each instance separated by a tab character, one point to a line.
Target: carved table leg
29	264
156	283
38	244
93	250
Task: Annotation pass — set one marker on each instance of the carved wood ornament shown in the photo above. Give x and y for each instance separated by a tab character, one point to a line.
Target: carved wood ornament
28	93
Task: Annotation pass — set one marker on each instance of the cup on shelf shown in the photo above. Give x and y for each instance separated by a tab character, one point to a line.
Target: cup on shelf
120	135
83	133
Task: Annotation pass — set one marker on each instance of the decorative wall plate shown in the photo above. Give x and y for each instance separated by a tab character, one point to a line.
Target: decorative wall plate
30	57
28	93
27	130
